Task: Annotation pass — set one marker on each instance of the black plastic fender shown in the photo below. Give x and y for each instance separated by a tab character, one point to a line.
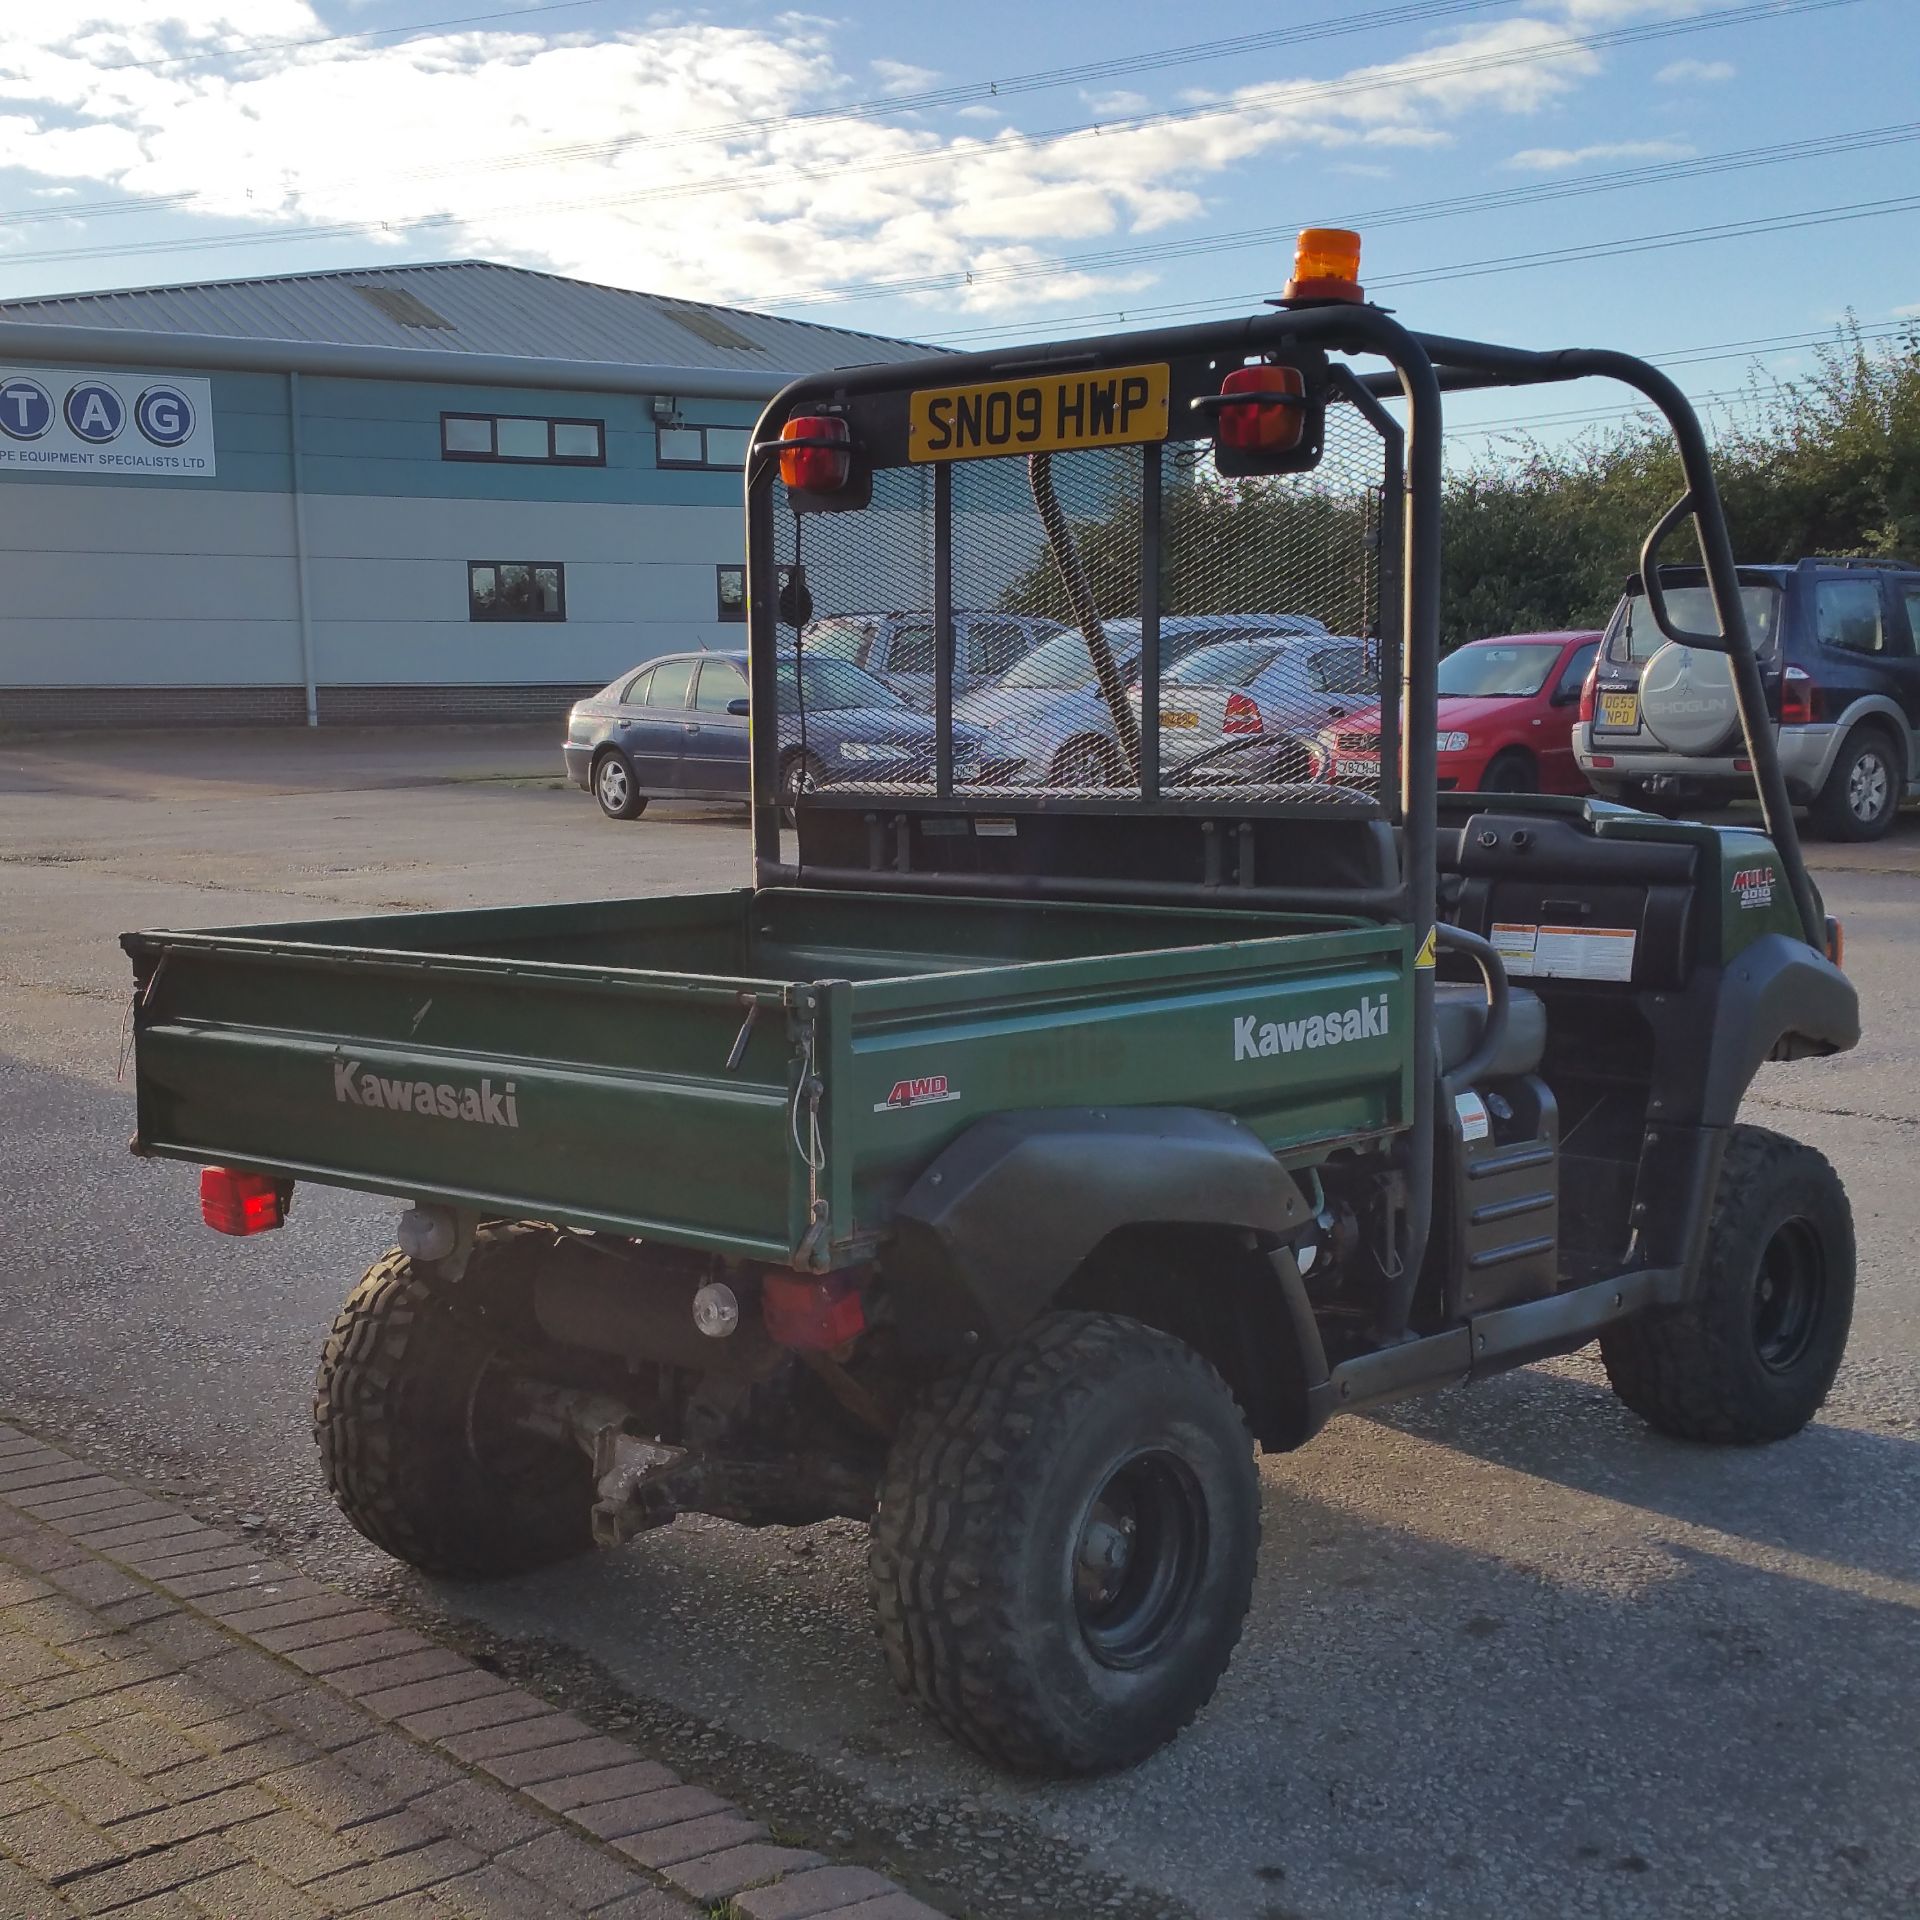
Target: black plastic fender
1779	1000
999	1222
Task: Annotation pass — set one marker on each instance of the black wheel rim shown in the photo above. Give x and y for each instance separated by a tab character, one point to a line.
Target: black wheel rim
1788	1296
1137	1559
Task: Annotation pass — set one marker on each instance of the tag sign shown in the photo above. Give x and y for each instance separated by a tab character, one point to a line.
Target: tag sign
62	420
1473	1116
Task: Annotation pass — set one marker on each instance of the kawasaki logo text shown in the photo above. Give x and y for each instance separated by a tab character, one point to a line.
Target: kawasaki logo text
1254	1039
479	1106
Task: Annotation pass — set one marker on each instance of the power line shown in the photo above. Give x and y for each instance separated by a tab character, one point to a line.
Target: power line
1412	12
1297	93
1659	173
1509	263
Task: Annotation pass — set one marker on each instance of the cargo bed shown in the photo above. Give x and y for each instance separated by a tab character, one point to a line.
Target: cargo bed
651	1067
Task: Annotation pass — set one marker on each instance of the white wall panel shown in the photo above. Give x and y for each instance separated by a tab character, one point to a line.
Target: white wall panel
149	653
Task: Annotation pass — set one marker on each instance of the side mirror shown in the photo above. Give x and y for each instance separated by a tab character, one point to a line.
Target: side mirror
1565	696
741	708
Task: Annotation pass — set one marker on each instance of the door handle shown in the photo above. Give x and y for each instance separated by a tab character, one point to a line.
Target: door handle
692	727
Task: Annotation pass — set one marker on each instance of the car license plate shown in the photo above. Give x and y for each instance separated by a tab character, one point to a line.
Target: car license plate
1050	413
1178	719
1353	767
1620	709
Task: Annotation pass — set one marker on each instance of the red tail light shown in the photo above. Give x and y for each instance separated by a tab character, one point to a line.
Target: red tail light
1247	427
242	1203
811	1315
1243	715
1589	699
819	456
1796	698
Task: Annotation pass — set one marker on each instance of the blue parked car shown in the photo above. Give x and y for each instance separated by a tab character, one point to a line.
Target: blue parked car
676	728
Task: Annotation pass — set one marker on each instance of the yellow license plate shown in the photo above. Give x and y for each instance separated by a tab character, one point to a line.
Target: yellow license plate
1050	413
1179	719
1620	709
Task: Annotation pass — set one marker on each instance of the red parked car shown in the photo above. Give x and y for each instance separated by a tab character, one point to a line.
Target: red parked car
1507	708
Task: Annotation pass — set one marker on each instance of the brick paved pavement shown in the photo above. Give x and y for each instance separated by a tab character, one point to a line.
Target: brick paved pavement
192	1731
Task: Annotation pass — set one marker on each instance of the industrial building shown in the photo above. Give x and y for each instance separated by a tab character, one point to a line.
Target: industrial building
447	492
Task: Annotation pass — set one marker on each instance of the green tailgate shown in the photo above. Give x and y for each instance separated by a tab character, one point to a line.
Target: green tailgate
597	1065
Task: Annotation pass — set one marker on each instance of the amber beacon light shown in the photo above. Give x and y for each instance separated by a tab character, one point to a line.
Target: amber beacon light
1326	265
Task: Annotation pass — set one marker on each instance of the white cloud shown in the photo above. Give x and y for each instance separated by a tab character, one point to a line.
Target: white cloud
1678	73
666	156
1110	106
1558	159
896	76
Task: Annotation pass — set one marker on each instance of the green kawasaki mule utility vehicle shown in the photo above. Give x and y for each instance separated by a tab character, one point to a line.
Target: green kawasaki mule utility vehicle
1012	1156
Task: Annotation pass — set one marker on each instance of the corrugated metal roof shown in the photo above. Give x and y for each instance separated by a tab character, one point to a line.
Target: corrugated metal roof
473	306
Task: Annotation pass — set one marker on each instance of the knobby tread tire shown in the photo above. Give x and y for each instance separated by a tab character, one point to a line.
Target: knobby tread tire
392	1408
961	1494
1694	1372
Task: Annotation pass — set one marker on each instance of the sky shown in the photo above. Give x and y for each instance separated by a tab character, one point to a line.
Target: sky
1715	184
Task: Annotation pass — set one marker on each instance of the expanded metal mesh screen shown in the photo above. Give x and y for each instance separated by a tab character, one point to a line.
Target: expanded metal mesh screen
1271	622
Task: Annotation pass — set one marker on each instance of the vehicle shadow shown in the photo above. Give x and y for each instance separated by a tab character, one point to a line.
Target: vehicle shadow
1841	1494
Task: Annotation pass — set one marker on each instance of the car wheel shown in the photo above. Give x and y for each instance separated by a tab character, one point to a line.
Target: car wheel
802	775
1085	763
614	787
1513	771
1862	794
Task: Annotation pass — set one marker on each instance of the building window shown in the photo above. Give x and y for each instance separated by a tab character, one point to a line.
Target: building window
680	445
523	439
733	592
516	590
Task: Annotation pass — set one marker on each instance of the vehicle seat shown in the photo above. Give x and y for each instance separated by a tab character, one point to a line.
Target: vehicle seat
1460	1013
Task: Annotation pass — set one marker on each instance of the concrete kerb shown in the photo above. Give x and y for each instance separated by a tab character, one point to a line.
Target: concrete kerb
217	1691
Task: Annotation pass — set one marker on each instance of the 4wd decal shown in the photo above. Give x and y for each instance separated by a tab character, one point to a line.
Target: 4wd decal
1753	886
927	1092
479	1106
1254	1039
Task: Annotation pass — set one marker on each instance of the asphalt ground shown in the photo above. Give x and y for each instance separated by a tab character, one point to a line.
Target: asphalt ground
1510	1653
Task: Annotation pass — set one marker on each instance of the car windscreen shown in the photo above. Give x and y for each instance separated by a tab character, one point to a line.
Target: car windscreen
1634	635
828	686
1497	673
1227	663
1340	670
1062	661
836	639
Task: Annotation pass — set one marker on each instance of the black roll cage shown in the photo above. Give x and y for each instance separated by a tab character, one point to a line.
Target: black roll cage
1424	367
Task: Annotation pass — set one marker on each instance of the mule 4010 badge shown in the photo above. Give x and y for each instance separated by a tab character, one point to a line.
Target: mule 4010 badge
1753	887
927	1091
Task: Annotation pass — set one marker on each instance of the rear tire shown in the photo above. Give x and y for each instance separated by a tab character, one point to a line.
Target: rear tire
1064	1548
1861	798
1751	1357
1083	764
615	787
414	1456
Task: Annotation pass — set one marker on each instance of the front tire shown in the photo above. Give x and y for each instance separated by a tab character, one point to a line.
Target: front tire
616	789
1752	1355
1512	771
415	1450
1064	1548
1861	798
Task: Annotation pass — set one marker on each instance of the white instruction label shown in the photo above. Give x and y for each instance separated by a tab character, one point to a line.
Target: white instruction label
1473	1115
1565	953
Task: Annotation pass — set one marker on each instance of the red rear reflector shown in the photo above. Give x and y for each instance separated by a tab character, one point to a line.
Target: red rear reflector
1601	759
814	1315
1243	715
1743	766
1796	698
241	1203
1248	427
1836	942
820	458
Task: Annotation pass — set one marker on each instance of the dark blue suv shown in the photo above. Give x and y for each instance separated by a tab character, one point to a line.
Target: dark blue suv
1839	649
